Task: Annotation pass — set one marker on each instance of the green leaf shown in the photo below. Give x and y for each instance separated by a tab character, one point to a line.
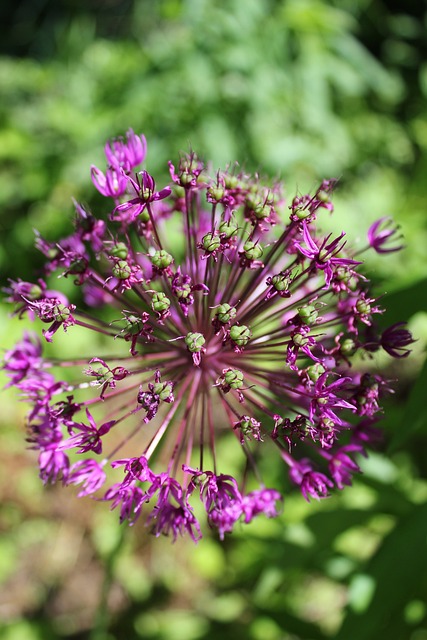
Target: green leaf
403	304
414	415
394	573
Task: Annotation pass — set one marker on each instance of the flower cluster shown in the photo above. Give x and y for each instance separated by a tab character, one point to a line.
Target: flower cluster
247	321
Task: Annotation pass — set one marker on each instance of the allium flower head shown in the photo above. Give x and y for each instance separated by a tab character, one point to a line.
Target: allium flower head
245	322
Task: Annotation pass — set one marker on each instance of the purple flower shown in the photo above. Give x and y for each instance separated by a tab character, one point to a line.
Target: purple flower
144	187
24	359
175	520
105	377
53	312
130	498
341	466
189	170
312	483
89	438
110	184
367	395
135	469
381	232
260	501
395	339
242	325
128	153
323	255
89	474
150	399
326	399
53	464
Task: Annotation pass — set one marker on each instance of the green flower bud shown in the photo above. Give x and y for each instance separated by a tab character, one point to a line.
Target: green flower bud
363	307
103	374
252	250
216	193
144	216
228	229
245	424
34	293
233	378
60	313
185	178
120	250
178	191
163	389
184	291
134	324
52	253
252	201
348	347
322	196
262	211
211	242
225	313
281	282
240	334
194	342
302	214
161	259
299	340
231	182
308	314
343	274
77	266
121	270
315	371
160	302
327	424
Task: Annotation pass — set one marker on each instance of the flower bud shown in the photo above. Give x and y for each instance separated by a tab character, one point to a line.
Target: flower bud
228	229
134	324
163	390
233	378
299	339
322	196
363	307
308	314
252	250
121	270
302	214
315	371
216	193
240	334
348	347
34	293
120	250
194	342
160	302
231	182
280	282
161	259
211	242
225	313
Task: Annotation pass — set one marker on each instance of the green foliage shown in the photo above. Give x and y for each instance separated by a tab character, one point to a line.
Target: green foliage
283	87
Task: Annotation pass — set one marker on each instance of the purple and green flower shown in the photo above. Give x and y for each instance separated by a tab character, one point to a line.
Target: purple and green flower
248	321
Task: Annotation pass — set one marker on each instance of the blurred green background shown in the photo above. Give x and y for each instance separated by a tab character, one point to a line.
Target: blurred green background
298	89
